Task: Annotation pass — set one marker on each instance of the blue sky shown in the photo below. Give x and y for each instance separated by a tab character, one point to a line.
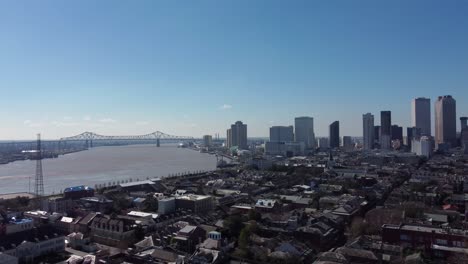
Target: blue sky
195	67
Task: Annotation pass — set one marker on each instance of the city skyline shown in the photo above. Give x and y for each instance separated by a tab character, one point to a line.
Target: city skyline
127	68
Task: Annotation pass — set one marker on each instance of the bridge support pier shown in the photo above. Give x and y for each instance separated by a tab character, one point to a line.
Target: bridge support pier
158	143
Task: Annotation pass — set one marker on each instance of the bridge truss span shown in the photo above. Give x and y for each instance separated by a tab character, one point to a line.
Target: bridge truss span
158	135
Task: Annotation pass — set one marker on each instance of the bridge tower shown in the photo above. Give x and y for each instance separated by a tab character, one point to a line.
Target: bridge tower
39	180
158	143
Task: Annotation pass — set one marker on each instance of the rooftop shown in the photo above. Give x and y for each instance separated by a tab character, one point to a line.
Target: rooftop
20	221
129	184
78	188
193	197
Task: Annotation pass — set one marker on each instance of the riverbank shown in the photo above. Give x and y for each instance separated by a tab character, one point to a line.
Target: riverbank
6	158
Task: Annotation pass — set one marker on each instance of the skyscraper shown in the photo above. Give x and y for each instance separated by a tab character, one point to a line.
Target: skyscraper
207	140
463	123
228	138
304	131
445	121
348	143
368	131
385	129
397	133
237	135
412	133
421	115
377	133
281	134
334	135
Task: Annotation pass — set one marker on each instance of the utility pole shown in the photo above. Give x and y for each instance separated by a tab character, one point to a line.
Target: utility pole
39	181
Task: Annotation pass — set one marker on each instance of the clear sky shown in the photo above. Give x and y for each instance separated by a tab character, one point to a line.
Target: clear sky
195	67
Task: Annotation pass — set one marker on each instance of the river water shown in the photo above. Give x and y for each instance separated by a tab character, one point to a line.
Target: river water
102	165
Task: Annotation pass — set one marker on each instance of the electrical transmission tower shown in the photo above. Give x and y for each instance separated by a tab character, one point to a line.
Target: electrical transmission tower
39	182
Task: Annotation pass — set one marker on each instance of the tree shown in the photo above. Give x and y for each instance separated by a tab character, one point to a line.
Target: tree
244	237
234	225
358	226
254	215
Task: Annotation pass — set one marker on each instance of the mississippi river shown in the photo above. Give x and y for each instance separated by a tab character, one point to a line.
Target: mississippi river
102	165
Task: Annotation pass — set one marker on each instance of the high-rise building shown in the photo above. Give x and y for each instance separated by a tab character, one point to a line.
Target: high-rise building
421	115
385	129
207	140
368	131
412	133
377	133
228	138
237	135
397	133
334	134
323	143
463	122
445	121
464	134
348	143
281	134
422	146
304	131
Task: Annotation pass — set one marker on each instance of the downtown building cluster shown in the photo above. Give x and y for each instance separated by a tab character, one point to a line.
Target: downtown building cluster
301	139
419	138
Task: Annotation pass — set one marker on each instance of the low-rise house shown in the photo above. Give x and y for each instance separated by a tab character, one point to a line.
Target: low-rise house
413	235
78	192
83	224
320	235
58	204
267	206
80	242
96	204
115	232
7	259
65	225
28	245
15	225
157	255
188	237
195	203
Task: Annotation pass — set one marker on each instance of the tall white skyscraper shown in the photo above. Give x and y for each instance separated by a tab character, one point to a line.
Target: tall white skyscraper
421	115
368	131
304	131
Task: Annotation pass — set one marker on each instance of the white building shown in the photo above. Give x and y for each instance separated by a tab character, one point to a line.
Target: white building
422	147
368	131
